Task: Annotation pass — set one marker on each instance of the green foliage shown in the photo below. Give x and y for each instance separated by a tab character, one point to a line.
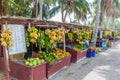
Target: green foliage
18	7
79	7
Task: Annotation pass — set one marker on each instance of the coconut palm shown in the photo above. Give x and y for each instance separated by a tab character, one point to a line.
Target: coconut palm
16	7
110	9
68	7
95	29
107	9
46	8
42	7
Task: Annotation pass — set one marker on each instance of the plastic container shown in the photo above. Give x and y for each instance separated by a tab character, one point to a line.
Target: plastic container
90	54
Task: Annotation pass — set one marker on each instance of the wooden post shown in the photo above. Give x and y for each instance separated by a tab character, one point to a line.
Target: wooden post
64	43
6	64
6	60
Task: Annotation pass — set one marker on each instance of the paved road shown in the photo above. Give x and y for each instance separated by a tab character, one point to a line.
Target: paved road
105	66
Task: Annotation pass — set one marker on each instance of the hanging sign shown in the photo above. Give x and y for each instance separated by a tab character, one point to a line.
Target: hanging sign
18	38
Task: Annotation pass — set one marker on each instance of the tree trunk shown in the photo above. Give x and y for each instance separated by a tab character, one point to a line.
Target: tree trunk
40	9
35	9
65	16
95	29
3	9
113	24
62	12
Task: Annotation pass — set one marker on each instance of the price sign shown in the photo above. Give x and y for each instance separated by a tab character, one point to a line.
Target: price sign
18	39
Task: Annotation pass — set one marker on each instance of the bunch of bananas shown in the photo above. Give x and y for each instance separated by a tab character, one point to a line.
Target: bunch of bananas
107	33
88	34
54	55
82	35
33	34
76	49
78	34
6	38
55	35
58	53
27	39
79	47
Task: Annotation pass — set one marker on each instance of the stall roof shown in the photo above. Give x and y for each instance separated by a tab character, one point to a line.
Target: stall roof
40	23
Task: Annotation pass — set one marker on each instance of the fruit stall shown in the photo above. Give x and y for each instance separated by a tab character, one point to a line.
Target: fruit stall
80	39
13	43
31	37
104	35
48	50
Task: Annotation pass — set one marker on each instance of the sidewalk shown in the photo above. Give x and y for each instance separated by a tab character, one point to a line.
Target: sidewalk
105	66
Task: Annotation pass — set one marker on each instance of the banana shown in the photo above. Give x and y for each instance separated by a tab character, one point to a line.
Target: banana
6	38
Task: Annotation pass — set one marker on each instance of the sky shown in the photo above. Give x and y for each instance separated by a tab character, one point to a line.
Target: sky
90	1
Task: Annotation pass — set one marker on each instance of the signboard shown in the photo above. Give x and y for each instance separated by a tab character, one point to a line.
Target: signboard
18	39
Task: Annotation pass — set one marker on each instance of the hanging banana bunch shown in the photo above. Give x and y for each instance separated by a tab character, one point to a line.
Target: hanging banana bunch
70	36
6	38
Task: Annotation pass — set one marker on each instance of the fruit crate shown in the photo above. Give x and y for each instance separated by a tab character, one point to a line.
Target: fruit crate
76	55
20	71
54	67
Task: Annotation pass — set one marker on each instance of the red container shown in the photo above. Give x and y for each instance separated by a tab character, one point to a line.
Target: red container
1	51
1	64
54	67
22	72
76	55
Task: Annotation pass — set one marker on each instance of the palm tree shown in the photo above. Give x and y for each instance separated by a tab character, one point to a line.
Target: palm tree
110	9
107	9
2	9
46	8
95	29
16	7
41	8
67	7
116	7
